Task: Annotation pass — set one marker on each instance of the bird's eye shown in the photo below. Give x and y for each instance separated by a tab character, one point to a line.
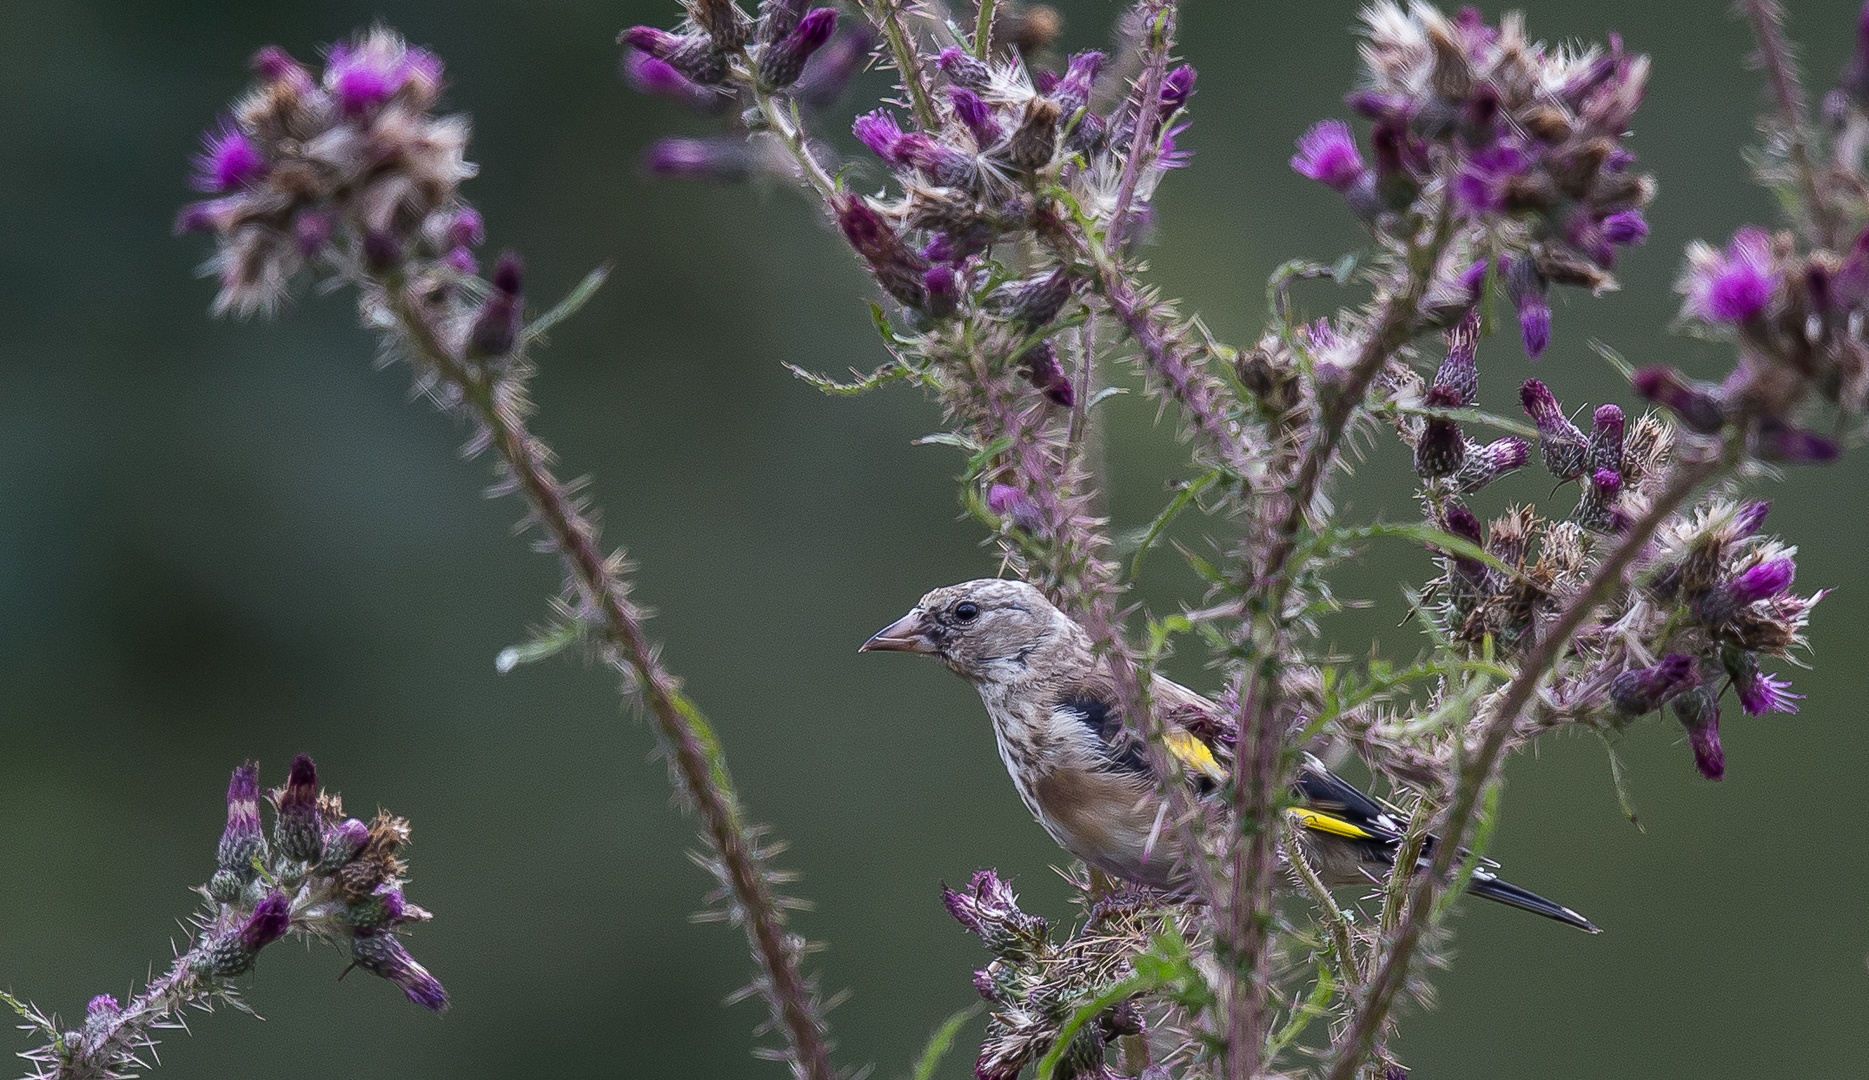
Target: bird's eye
966	611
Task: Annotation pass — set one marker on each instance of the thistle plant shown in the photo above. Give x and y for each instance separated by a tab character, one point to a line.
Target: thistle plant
1006	242
315	874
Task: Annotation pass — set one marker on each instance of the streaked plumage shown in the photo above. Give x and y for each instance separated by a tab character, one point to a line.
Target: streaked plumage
1087	780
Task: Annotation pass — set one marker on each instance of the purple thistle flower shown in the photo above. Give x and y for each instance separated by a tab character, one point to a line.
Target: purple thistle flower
468	228
1484	181
941	163
273	64
990	910
1597	510
716	159
784	60
1855	78
976	115
1487	463
1643	690
102	1005
1010	504
496	326
1760	693
461	260
1625	227
1045	81
1735	285
1073	90
1697	405
695	58
382	954
984	985
270	920
1699	712
242	840
963	69
1327	153
1559	442
830	69
1526	288
228	161
1780	442
1177	88
943	288
1750	516
658	78
297	829
882	133
312	231
1441	449
1764	580
365	74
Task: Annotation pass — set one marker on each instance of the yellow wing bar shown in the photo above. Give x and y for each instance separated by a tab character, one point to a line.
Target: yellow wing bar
1193	754
1319	821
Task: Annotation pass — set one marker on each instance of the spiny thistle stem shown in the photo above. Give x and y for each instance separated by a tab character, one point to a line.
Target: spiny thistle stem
1767	19
699	763
886	15
1480	771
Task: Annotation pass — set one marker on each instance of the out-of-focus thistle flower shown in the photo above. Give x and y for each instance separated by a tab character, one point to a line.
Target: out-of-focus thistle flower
1782	443
1047	374
718	159
1731	286
658	78
496	325
1696	405
353	169
898	269
783	61
1521	144
1010	504
1643	690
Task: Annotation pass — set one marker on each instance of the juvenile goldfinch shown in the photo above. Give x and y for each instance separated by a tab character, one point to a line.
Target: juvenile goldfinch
1087	780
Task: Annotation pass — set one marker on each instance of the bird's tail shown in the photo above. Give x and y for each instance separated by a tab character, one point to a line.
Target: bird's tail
1511	895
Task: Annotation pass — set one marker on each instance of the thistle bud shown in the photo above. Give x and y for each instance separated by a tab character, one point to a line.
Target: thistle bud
723	21
1034	302
1597	510
296	829
496	328
777	18
1526	288
1699	712
1560	444
1696	405
963	69
716	159
1442	449
942	286
343	843
1487	463
976	115
242	841
1604	452
1782	443
898	269
1073	91
382	954
1177	88
1044	371
784	60
1010	504
381	909
1733	286
1459	372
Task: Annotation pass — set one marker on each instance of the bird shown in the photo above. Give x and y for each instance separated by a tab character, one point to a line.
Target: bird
1088	780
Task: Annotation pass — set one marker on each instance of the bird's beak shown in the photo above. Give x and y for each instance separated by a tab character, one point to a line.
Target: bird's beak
903	635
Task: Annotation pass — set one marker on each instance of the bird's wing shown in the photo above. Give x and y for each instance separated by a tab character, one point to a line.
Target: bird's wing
1092	702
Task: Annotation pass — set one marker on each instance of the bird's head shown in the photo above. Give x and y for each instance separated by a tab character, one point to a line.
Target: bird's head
985	630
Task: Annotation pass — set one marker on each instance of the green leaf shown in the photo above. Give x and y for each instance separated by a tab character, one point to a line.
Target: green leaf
1314	1006
1619	775
1468	416
894	371
1614	359
568	306
940	1043
887	329
547	644
986	454
1422	533
1180	502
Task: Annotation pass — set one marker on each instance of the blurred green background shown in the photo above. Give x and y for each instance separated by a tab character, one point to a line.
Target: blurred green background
222	540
